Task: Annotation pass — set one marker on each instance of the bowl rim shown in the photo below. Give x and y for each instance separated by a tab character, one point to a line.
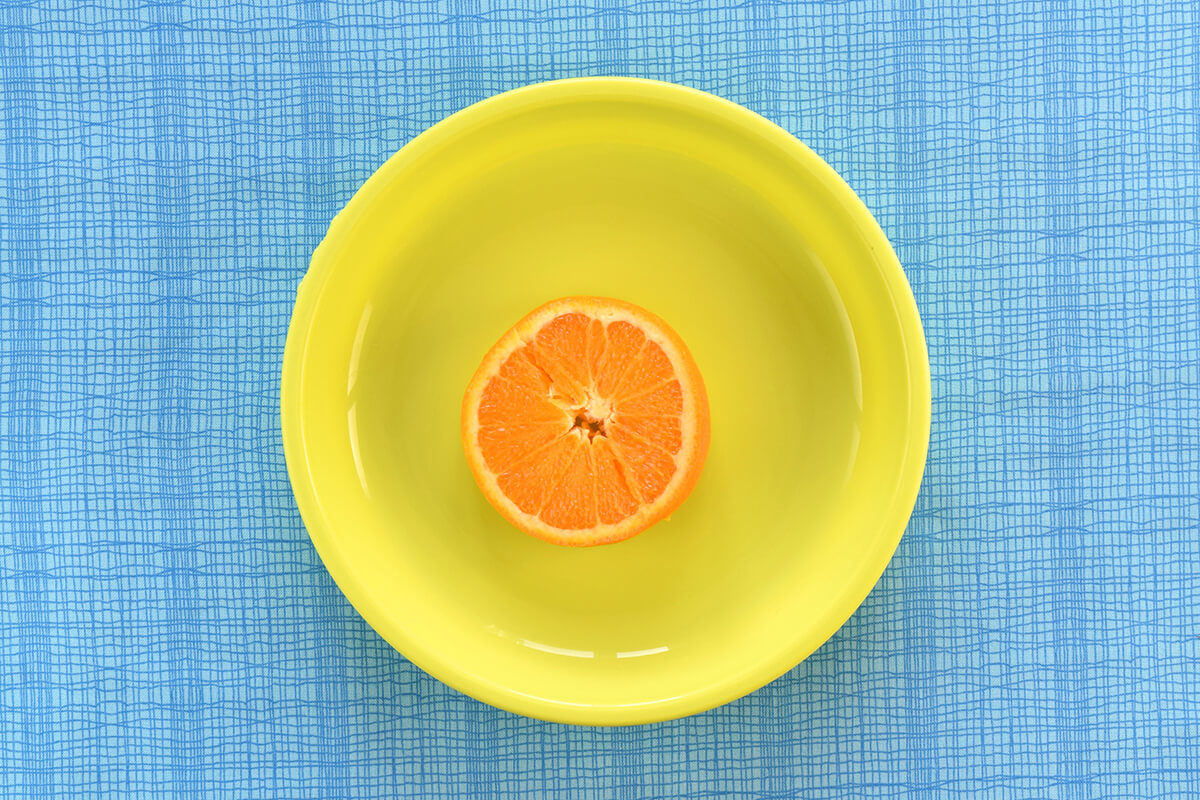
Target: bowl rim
442	665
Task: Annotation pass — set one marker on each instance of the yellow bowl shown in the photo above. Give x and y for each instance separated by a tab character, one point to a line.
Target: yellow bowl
792	303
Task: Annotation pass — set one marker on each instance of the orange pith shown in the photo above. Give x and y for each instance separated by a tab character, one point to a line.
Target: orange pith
587	422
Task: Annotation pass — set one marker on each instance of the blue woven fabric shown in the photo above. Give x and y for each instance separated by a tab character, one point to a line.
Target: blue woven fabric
166	628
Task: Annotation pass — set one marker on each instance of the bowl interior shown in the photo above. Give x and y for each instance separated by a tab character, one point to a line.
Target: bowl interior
754	252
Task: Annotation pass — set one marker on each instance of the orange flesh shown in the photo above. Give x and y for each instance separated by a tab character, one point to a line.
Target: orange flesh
582	425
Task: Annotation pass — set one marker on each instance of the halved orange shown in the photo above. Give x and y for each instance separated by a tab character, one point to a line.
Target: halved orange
587	422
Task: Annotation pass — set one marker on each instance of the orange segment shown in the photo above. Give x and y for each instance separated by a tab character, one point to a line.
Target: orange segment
664	400
506	403
622	344
505	446
572	501
652	466
559	347
662	432
615	499
527	484
587	422
520	369
650	368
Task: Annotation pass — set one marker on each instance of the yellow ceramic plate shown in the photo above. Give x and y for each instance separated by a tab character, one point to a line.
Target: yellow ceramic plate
793	305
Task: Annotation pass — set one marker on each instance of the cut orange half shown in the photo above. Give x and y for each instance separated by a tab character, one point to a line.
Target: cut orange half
587	422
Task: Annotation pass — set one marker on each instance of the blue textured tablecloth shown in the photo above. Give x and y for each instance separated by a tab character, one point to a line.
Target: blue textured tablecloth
166	628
